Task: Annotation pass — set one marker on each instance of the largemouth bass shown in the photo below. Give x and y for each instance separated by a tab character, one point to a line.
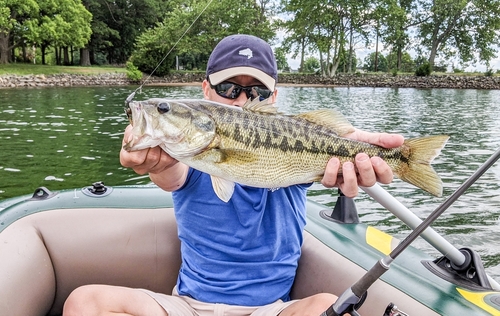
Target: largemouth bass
257	146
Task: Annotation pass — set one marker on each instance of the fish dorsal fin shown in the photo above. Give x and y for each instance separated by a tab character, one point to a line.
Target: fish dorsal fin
223	188
263	106
329	118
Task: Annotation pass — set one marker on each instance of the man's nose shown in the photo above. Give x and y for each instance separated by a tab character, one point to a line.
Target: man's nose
241	99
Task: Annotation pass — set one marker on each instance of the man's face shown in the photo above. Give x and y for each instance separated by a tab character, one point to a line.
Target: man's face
242	80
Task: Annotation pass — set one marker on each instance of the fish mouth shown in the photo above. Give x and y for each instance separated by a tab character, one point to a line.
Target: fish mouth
133	112
139	139
128	112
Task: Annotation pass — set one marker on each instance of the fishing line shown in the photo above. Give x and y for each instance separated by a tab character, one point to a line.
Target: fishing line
131	96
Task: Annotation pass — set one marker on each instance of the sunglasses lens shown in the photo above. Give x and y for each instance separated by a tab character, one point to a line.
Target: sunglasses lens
227	90
232	91
263	92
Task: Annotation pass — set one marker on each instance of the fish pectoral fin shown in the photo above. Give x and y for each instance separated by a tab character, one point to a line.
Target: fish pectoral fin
329	118
227	156
223	188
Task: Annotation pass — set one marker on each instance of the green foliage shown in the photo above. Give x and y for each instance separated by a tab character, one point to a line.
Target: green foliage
489	72
133	73
117	24
463	29
424	70
220	19
58	23
369	63
311	65
407	64
440	67
38	69
280	55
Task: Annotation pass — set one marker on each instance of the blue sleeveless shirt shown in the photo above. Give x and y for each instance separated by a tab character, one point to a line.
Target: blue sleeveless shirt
243	252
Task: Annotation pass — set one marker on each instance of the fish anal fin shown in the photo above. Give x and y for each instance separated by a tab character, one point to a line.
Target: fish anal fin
329	118
223	188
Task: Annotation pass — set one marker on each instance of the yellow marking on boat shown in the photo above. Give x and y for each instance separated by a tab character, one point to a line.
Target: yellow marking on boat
477	298
379	240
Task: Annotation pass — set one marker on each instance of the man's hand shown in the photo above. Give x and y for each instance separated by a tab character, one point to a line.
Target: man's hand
150	160
370	170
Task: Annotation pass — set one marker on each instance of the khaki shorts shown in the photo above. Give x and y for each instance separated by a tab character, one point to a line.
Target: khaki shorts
176	305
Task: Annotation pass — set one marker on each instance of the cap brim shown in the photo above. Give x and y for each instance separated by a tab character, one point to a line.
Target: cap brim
225	74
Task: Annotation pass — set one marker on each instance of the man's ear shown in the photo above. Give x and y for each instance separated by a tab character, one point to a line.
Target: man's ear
206	89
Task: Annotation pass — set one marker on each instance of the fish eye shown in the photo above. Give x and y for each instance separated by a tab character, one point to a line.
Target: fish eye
163	107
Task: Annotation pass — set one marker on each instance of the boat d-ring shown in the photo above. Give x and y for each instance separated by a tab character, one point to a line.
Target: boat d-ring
42	194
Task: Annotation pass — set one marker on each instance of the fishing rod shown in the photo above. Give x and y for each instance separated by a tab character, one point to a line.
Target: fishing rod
354	297
131	96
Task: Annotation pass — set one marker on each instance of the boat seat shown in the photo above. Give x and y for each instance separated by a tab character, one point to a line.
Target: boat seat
44	256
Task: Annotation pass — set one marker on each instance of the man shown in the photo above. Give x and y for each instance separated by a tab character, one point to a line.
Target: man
239	257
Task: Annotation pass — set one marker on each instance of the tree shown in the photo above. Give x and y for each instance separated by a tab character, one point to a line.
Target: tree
400	61
369	63
311	65
16	19
299	29
58	23
280	55
468	29
330	28
218	20
116	26
395	19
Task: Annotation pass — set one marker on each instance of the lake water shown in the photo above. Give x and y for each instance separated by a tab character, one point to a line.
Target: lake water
64	138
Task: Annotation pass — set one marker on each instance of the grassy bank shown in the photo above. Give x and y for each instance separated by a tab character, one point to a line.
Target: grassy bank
29	69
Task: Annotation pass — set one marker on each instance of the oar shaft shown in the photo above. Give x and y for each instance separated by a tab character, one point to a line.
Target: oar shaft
444	206
442	245
389	202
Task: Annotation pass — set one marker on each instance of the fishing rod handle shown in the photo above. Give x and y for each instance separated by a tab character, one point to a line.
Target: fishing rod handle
329	312
359	288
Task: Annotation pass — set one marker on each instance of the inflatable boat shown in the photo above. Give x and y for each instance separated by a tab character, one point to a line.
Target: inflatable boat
53	242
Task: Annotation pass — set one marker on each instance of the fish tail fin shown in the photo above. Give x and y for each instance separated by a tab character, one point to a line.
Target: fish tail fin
419	153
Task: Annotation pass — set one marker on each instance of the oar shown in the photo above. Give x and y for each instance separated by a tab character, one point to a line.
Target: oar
392	204
353	295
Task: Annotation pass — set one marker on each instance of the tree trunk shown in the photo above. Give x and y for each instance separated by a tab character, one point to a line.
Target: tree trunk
302	53
84	57
351	50
433	54
376	53
4	48
43	53
66	56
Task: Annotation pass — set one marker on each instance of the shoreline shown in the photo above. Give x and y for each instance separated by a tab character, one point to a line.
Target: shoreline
445	81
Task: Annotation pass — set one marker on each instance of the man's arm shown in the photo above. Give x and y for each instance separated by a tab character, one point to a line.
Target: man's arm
370	170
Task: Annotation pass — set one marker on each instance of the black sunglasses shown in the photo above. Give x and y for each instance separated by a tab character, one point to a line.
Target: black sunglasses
231	90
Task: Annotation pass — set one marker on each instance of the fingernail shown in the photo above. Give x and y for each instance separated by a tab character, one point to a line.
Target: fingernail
348	165
362	157
376	161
